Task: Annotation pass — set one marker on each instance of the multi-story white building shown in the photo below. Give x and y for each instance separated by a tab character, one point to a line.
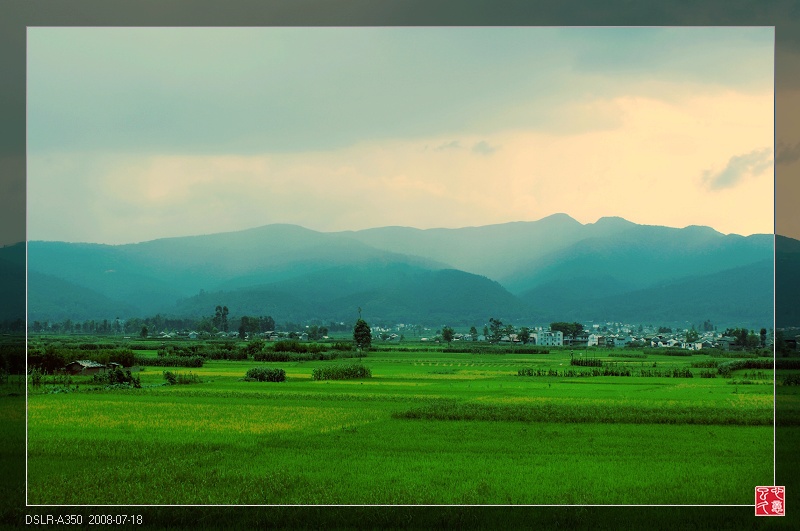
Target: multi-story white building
549	338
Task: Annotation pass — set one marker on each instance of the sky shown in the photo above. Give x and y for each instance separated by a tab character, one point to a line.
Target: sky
135	134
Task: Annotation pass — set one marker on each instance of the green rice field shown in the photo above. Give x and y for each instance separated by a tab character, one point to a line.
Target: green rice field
426	428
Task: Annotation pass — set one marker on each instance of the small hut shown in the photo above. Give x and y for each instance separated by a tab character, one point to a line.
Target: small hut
84	367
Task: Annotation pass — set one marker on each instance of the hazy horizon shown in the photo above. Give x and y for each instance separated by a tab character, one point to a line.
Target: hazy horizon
137	134
557	214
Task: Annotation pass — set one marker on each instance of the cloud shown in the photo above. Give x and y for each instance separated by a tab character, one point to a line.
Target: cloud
739	166
454	144
483	148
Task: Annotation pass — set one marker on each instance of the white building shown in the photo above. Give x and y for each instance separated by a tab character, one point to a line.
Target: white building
549	338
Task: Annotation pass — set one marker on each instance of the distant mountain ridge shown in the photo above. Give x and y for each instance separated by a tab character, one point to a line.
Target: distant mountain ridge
519	272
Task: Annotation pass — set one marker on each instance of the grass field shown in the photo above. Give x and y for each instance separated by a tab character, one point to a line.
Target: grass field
426	428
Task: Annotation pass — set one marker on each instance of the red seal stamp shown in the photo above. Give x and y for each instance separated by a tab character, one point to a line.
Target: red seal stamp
770	501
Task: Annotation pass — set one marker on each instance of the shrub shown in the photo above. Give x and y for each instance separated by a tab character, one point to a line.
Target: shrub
267	355
706	364
343	347
586	362
264	374
670	351
170	361
791	379
253	347
36	376
637	355
180	378
341	372
117	377
725	368
225	354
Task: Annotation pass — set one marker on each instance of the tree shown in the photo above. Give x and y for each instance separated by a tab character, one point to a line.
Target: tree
692	335
752	340
249	325
524	335
780	344
143	333
495	329
205	325
220	320
448	334
763	337
568	329
473	332
738	334
267	324
362	334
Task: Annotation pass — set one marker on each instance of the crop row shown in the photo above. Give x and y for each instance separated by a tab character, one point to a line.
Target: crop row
608	413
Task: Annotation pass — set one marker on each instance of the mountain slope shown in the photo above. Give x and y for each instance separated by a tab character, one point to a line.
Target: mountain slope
387	293
740	296
54	299
787	282
552	269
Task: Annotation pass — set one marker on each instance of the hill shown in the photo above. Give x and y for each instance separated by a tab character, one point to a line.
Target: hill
526	272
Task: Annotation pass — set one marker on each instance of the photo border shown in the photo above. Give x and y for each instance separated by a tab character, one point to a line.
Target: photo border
19	14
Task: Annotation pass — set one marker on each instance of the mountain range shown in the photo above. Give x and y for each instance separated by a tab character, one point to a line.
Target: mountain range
524	272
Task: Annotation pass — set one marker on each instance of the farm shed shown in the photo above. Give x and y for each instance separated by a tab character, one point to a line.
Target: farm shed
84	367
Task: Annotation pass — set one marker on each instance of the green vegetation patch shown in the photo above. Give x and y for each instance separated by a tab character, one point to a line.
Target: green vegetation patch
178	378
264	374
595	413
341	372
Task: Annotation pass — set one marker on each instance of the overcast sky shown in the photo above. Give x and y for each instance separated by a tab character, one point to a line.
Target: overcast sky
142	133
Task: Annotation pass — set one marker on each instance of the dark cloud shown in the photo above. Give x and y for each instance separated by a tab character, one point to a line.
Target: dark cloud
738	167
483	148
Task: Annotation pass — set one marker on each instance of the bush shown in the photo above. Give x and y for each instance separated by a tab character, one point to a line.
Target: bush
117	377
586	362
36	376
791	379
225	354
253	347
267	355
707	364
180	378
784	363
725	368
636	355
342	347
671	351
264	374
341	372
170	361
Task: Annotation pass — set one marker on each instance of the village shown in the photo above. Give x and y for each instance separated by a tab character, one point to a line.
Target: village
608	335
